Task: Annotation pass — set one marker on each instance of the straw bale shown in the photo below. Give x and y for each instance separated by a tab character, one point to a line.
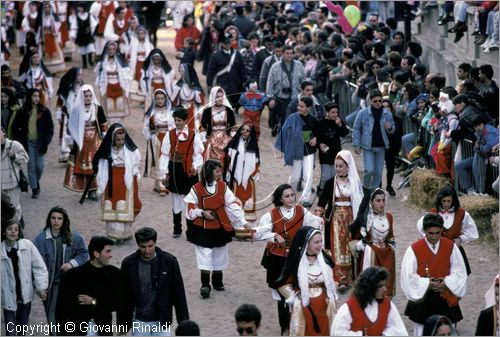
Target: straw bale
424	185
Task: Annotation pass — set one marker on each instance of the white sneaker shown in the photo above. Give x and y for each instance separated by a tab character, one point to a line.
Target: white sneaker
486	42
491	47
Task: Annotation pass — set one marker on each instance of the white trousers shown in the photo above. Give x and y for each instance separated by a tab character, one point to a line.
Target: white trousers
178	204
306	167
211	258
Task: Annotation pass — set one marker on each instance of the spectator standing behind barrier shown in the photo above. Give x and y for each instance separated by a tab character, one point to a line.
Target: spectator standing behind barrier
153	286
489	90
247	318
23	273
61	250
487	138
371	127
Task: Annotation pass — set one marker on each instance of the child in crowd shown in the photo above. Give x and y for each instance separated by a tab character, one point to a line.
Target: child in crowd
253	101
187	54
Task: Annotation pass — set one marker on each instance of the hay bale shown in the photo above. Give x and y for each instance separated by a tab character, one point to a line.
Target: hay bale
494	226
424	186
481	209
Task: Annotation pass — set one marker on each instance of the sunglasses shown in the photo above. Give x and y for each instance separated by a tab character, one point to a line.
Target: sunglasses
248	330
376	101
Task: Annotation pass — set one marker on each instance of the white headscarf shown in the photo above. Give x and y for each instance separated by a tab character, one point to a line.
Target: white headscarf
76	122
302	275
356	187
213	94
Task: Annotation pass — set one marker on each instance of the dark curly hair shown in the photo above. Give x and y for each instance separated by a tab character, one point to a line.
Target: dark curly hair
365	286
65	231
447	191
278	192
207	171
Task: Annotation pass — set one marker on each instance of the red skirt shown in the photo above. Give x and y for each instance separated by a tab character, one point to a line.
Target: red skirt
319	306
138	68
50	46
120	191
114	90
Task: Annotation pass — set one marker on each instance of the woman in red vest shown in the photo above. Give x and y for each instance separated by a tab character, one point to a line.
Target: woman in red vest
368	310
458	224
279	227
212	212
306	282
374	236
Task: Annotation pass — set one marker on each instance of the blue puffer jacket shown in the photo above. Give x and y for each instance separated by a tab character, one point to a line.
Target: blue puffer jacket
363	128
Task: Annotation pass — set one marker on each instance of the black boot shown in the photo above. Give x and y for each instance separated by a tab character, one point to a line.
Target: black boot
217	280
283	315
177	224
91	62
84	61
205	284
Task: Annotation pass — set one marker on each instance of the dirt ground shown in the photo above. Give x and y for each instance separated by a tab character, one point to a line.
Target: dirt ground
245	278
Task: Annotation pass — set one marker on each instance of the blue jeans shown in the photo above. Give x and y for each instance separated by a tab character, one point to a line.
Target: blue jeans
327	172
408	142
36	164
474	166
17	319
373	162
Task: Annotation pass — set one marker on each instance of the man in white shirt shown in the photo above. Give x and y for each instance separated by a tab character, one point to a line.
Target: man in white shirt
433	275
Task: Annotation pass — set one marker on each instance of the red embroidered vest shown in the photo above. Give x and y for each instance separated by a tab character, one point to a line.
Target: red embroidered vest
182	150
104	13
286	228
456	228
360	321
215	203
435	265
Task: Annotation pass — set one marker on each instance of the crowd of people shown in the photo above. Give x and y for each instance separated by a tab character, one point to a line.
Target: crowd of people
294	60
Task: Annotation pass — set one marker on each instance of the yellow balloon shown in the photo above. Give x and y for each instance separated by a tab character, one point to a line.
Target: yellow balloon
352	15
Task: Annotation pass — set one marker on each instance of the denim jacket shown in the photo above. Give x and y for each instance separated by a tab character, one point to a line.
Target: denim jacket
363	128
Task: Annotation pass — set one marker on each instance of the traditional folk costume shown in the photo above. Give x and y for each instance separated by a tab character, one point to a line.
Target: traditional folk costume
157	75
487	323
63	12
66	95
181	159
210	237
376	239
115	31
83	25
101	10
31	25
308	287
51	39
253	102
118	172
87	126
457	223
376	319
36	77
113	77
157	122
422	262
285	222
243	170
216	124
136	55
188	93
341	201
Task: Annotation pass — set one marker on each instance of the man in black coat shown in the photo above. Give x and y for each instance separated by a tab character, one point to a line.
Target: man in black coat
153	286
89	293
227	69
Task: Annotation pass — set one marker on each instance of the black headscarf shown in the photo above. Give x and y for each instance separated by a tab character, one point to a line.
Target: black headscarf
26	64
363	210
164	62
149	111
67	83
104	152
252	147
297	250
190	77
118	56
